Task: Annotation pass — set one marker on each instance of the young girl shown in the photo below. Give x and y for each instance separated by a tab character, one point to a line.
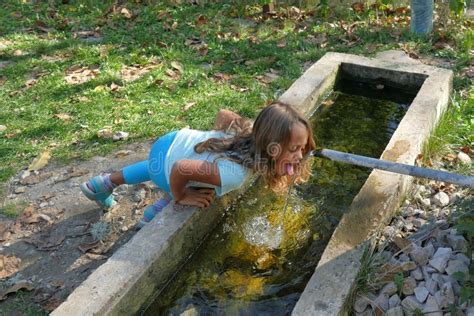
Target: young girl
192	166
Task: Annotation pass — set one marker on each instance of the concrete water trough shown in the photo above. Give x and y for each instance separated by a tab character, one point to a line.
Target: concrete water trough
143	266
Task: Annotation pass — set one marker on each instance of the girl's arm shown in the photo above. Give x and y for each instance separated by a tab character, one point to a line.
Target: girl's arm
184	171
224	118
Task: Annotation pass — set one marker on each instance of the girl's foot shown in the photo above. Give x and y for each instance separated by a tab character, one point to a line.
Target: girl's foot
151	211
99	189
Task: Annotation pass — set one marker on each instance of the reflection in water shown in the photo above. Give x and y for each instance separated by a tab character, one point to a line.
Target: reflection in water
257	262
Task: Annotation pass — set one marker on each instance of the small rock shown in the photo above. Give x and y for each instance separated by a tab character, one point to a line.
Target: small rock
20	190
43	204
24	174
190	311
432	286
361	304
381	302
367	312
441	199
457	242
430	249
409	226
409	285
389	231
389	289
420	255
441	299
417	274
124	229
457	266
456	196
395	311
454	283
407	211
422	189
411	304
404	258
394	301
408	266
464	158
418	222
470	311
120	136
421	293
431	307
440	259
462	257
426	202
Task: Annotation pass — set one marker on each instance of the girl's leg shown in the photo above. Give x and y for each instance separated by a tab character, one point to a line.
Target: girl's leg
151	210
100	188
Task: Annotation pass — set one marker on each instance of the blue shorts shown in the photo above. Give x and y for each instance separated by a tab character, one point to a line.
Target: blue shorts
154	168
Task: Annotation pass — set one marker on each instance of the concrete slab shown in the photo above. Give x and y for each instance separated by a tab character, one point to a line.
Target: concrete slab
142	267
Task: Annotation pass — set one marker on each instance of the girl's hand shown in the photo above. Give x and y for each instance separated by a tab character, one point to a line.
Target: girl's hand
197	197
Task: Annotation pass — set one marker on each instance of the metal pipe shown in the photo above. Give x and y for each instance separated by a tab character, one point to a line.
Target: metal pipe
394	167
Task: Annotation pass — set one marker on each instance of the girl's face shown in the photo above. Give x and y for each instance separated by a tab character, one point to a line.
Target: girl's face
292	155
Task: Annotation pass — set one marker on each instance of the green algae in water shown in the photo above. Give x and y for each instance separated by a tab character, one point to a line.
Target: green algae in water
248	266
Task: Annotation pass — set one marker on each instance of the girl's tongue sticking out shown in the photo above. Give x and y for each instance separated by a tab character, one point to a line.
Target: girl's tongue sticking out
289	169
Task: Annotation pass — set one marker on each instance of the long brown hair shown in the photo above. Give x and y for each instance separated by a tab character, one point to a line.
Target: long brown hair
258	147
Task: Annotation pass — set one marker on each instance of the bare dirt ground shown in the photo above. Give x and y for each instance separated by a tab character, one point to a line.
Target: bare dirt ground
60	237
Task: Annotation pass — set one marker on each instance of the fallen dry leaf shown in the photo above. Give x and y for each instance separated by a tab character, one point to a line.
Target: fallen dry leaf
4	231
201	19
94	256
40	161
222	76
63	116
328	102
403	244
114	87
85	247
105	133
134	72
189	105
468	72
122	153
3	79
178	66
27	215
77	74
51	304
3	128
238	89
34	179
172	74
18	52
268	77
71	173
48	243
358	7
281	44
466	150
126	13
9	265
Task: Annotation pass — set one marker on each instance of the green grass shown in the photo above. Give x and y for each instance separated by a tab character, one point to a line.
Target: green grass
240	43
454	131
12	210
22	304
